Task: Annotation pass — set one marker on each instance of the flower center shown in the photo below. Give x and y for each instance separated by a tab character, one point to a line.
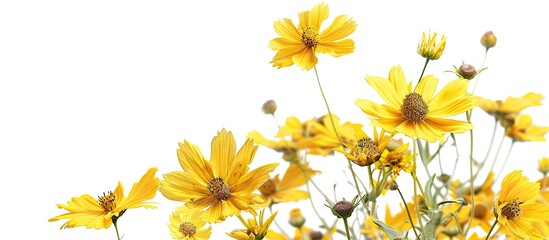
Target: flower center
480	211
511	210
107	201
188	229
310	37
219	189
268	188
366	149
394	158
414	107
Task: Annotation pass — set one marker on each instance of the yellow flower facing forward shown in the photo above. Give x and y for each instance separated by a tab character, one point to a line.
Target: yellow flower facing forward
511	105
524	131
276	190
187	224
224	185
366	150
101	212
397	160
300	44
428	47
418	113
254	229
517	207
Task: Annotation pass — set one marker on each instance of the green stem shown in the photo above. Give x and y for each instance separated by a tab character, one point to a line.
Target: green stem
278	226
408	211
415	183
472	184
312	203
116	229
374	190
505	161
423	71
491	229
478	76
347	229
337	135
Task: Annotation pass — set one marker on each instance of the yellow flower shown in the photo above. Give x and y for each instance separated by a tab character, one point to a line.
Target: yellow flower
276	190
102	212
324	136
418	113
397	160
370	229
255	230
366	150
187	224
224	185
524	131
428	47
512	105
300	44
517	208
543	165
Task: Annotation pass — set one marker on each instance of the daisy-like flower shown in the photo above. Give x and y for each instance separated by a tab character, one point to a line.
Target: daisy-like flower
187	224
397	160
516	206
223	186
511	105
524	131
418	113
105	210
300	44
254	229
276	190
428	47
324	136
366	150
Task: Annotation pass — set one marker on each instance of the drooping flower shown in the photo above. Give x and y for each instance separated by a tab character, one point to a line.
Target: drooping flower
366	150
224	185
418	113
300	44
524	131
516	206
428	47
102	212
187	224
511	105
254	229
276	190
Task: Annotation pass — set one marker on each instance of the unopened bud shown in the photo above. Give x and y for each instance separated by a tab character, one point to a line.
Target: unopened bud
393	186
488	40
316	235
269	107
296	218
467	71
343	209
443	178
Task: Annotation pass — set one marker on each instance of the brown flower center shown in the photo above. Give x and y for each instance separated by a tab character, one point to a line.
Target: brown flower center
366	148
511	210
219	189
268	188
309	37
188	229
394	158
414	107
107	201
480	211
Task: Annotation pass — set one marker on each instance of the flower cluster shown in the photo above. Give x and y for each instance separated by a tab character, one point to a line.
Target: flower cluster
413	119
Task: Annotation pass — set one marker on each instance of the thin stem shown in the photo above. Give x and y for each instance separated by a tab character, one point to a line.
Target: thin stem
423	71
278	226
415	183
478	76
408	211
116	229
472	184
347	229
497	154
312	203
337	134
505	161
492	228
373	189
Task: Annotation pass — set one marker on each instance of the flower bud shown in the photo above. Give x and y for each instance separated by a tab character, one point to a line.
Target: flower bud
393	186
543	166
316	235
467	71
269	107
343	209
443	178
296	218
488	40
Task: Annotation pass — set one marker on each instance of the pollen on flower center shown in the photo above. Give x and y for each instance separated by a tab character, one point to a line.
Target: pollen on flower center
310	37
219	189
394	158
107	201
188	229
367	148
414	107
268	188
511	210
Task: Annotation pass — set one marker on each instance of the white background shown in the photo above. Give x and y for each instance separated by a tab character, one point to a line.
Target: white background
92	92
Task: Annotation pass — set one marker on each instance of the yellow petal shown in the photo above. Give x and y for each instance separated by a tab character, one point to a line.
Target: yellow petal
305	59
426	87
222	153
141	191
341	27
286	29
